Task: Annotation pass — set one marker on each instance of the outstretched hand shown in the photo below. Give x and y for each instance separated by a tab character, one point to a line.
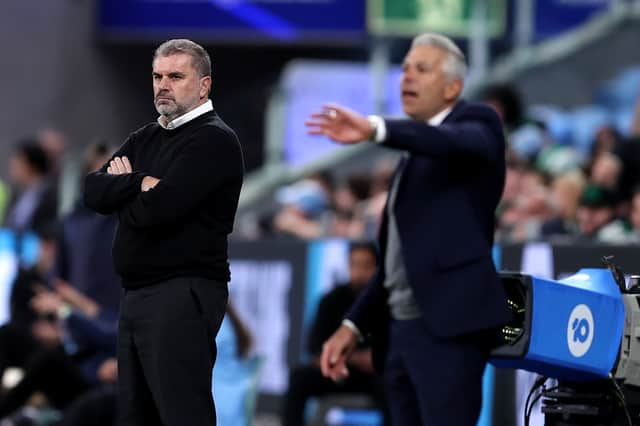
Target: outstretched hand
340	124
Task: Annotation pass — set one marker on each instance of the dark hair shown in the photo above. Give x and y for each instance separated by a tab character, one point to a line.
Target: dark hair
635	191
94	152
596	196
34	155
507	96
366	245
360	185
200	59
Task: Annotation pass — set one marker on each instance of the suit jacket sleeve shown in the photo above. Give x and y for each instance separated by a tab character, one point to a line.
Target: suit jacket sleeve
212	159
368	310
105	193
323	326
473	135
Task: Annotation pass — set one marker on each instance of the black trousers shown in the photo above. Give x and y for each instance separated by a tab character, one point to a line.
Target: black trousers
307	381
166	352
432	381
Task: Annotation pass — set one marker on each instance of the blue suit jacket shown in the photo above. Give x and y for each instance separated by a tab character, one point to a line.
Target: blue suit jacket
449	189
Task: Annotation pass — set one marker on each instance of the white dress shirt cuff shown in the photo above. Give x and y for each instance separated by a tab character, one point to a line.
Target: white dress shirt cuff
380	127
350	325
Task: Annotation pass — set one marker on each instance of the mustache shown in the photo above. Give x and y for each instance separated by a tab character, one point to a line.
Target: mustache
164	94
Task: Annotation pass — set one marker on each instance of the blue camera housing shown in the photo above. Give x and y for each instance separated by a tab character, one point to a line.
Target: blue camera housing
572	328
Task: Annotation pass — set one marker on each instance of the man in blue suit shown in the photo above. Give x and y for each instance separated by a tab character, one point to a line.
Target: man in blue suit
434	309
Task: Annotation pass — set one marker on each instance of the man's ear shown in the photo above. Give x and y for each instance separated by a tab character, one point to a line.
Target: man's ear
205	86
452	90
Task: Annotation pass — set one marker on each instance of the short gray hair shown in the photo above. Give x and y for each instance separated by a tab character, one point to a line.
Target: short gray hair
200	59
455	66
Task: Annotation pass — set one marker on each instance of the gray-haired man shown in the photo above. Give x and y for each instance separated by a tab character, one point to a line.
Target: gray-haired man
174	185
434	306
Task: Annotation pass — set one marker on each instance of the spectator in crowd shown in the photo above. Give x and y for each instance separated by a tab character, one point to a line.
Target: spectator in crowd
374	207
525	137
85	358
566	191
597	219
527	207
84	279
629	154
54	144
348	207
634	216
635	125
34	201
306	381
606	171
236	371
305	210
27	331
607	139
84	256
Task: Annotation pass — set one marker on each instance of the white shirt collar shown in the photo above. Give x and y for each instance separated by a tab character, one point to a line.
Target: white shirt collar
185	118
437	119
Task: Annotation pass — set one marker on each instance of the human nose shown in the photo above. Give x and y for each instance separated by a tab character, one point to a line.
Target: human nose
162	83
407	75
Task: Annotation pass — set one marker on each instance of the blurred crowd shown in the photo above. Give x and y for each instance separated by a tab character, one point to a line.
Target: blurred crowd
553	191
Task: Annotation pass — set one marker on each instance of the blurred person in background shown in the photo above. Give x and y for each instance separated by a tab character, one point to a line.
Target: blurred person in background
525	137
54	144
349	203
84	256
629	154
597	219
607	139
27	331
82	356
566	191
34	199
305	211
528	206
635	125
306	381
374	208
235	376
606	171
634	216
434	310
175	185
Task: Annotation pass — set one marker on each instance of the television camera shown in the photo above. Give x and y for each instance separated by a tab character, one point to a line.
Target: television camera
581	334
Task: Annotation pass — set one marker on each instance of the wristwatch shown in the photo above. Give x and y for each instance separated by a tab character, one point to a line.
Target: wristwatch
374	122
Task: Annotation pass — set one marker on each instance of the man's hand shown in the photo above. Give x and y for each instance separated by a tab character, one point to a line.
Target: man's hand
76	298
108	371
45	302
119	166
148	182
335	353
340	124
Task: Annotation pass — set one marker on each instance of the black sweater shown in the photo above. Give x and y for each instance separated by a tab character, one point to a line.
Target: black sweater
180	227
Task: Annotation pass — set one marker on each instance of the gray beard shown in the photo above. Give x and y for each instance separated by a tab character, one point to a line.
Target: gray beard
169	113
